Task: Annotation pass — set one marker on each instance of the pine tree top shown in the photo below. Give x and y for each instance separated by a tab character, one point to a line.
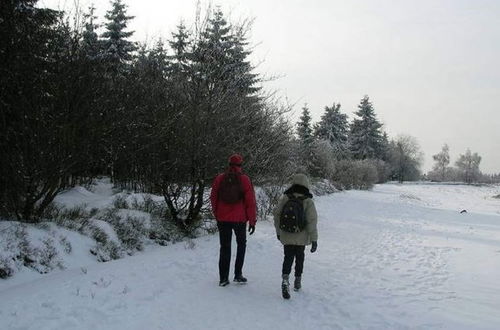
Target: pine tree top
304	126
117	47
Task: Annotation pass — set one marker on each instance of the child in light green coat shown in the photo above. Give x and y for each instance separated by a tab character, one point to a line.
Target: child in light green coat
294	243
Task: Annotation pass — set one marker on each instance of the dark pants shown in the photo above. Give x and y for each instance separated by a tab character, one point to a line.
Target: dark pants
225	234
293	252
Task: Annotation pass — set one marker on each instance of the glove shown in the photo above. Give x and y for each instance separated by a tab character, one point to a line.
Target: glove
314	246
251	229
278	236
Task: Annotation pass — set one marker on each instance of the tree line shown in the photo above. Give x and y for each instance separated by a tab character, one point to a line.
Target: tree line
358	153
77	103
466	168
79	99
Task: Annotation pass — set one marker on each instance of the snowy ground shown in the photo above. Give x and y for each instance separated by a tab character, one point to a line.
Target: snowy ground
399	257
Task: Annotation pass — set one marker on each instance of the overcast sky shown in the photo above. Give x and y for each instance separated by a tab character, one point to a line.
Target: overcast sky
430	67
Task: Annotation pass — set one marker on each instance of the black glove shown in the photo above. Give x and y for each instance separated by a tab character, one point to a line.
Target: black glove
251	229
314	246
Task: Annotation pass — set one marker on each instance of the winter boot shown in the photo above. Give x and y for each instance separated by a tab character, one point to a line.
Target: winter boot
296	284
240	279
285	287
224	282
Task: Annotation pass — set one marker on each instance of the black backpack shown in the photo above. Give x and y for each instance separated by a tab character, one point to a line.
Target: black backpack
293	216
230	188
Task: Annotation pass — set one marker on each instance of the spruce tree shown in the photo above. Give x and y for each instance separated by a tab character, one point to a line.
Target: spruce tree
333	127
38	124
90	44
307	148
180	43
304	127
117	55
365	134
117	48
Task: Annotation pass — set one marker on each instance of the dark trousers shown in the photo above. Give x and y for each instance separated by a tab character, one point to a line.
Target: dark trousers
225	235
293	252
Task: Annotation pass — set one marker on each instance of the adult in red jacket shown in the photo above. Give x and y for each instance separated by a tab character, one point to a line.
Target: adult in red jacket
233	217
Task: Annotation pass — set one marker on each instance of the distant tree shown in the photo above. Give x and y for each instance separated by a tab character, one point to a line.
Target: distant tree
365	136
333	127
117	48
384	147
306	146
468	165
91	46
442	160
117	55
304	126
405	158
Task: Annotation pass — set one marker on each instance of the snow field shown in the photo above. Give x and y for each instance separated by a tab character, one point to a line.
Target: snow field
384	261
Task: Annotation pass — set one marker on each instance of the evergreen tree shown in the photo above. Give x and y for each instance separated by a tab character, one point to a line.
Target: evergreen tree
310	150
333	127
90	44
40	125
384	147
365	134
117	55
117	48
304	126
180	44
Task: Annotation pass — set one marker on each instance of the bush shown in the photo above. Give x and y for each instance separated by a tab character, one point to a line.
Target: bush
355	174
131	232
7	267
17	249
48	258
75	218
120	202
267	197
323	187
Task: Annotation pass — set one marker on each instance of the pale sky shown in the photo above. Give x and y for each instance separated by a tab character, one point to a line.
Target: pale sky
430	67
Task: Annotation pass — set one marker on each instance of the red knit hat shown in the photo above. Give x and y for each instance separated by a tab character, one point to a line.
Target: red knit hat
235	159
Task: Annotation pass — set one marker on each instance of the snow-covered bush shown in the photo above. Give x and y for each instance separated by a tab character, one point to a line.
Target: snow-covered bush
7	266
324	157
323	187
147	204
47	257
267	197
36	247
120	202
107	246
355	174
131	231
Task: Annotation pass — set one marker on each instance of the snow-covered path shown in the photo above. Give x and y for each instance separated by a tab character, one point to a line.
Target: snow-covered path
385	261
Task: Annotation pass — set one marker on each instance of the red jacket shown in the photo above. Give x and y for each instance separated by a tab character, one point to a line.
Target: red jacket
243	211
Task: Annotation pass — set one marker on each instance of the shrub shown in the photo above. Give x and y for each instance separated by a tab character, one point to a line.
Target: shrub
7	267
120	202
48	258
131	232
355	174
